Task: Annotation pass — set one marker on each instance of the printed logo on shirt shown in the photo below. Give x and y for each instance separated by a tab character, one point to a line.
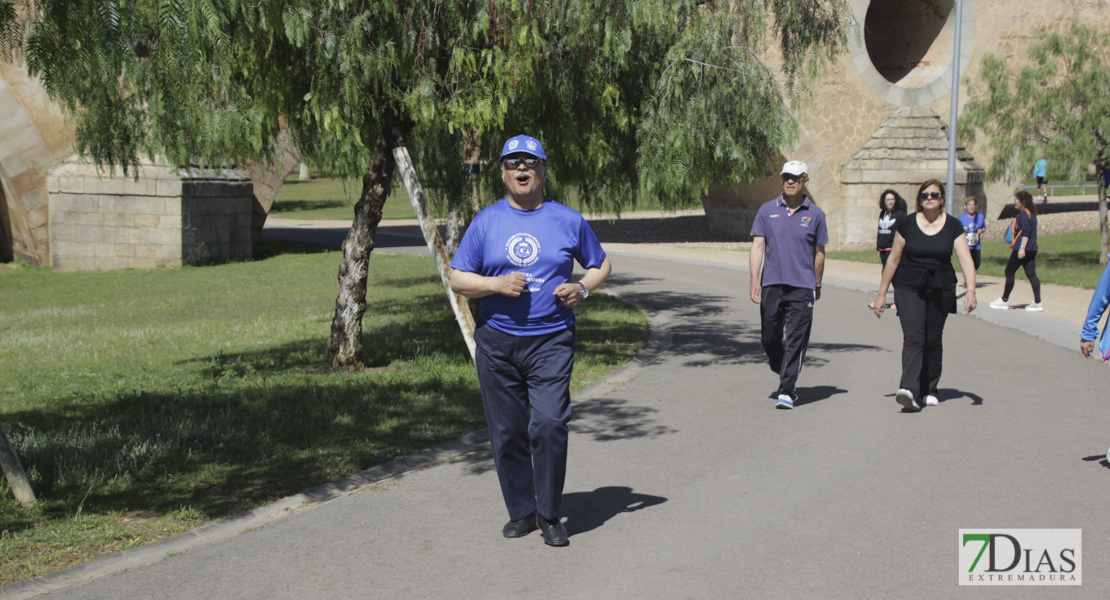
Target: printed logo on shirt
534	282
524	249
886	223
806	221
776	215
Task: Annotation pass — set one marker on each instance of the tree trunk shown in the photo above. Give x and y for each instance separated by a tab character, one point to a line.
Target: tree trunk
459	216
431	235
456	224
1100	171
472	154
17	479
345	340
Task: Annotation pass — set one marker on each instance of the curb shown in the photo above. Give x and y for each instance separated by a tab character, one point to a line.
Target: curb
658	343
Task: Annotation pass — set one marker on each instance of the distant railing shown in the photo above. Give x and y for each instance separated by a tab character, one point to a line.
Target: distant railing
1073	189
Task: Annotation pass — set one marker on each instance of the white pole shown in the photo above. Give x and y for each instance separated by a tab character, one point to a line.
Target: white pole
953	117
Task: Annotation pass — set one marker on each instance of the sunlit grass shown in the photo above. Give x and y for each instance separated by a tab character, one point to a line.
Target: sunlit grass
1062	259
143	403
333	198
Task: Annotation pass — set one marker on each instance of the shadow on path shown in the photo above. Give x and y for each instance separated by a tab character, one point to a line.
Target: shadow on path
817	393
587	511
603	419
609	419
1098	458
946	394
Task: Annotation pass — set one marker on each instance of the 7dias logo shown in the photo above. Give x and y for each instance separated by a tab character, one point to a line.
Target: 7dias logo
1021	557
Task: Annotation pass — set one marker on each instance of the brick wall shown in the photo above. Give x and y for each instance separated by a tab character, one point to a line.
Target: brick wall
166	217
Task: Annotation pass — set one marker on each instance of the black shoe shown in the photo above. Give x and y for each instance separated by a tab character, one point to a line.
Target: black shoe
519	527
554	534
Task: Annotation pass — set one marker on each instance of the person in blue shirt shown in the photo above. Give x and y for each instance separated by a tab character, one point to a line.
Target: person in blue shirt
974	223
1089	337
517	257
1040	171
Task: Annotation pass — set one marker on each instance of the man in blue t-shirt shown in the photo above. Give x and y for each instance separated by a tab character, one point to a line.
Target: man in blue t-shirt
517	257
787	262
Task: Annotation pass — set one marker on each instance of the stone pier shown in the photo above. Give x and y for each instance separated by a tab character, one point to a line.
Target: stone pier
166	217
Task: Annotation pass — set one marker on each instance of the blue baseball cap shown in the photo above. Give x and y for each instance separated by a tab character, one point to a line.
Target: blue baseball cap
523	144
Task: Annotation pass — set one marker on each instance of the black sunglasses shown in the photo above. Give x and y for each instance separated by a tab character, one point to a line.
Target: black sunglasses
930	195
791	178
514	162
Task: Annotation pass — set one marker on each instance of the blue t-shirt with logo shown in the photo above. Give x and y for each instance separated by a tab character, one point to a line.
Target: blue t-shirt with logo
543	244
973	225
792	241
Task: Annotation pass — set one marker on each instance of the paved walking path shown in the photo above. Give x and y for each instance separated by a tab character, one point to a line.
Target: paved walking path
685	482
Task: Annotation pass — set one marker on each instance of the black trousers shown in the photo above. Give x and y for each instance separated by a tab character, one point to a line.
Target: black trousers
525	384
786	313
1029	263
922	314
976	258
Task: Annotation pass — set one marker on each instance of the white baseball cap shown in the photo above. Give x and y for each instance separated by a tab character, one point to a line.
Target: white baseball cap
796	168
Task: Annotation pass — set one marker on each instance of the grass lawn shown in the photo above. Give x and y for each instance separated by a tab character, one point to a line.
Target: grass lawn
333	198
145	403
1064	259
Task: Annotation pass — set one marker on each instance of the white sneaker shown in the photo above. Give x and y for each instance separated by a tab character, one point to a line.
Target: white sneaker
1000	304
931	400
786	401
905	398
1034	307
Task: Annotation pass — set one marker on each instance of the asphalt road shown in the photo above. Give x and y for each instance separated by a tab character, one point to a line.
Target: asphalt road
685	481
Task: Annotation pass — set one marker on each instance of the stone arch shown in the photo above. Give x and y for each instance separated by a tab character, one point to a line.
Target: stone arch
903	49
34	138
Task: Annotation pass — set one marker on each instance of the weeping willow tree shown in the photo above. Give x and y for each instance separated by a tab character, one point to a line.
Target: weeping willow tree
633	99
1056	106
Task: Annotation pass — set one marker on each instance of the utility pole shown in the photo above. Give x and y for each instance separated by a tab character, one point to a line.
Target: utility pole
953	117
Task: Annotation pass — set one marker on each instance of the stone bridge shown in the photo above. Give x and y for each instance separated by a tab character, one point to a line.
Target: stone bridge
34	139
876	120
57	212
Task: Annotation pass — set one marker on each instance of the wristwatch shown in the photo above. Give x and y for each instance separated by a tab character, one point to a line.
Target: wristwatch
585	292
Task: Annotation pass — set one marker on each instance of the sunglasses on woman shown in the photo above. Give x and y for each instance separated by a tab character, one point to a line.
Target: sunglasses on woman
514	162
930	195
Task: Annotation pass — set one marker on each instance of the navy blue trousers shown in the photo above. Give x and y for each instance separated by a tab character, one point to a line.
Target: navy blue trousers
526	394
786	313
